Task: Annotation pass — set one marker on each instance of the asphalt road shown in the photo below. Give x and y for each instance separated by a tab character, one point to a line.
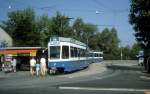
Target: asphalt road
118	79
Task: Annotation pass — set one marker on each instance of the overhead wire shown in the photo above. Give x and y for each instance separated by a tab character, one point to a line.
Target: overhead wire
108	9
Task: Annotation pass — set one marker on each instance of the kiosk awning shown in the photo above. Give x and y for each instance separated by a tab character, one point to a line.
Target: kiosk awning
24	51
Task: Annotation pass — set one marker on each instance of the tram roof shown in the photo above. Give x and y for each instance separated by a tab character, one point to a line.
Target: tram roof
70	40
97	52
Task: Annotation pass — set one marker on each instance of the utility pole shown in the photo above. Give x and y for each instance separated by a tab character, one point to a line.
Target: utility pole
61	24
121	54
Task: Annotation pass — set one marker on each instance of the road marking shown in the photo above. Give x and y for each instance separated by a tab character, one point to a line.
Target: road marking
104	89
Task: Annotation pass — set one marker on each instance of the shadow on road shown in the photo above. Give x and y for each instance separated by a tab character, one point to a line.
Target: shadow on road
119	67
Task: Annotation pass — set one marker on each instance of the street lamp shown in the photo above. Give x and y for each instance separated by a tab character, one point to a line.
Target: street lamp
98	12
121	54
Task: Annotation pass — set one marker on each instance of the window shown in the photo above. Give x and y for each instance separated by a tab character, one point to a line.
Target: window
82	53
54	52
79	52
95	55
65	52
91	55
74	52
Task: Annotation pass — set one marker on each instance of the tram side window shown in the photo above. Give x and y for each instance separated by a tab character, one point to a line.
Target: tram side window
82	53
91	55
95	55
65	52
101	55
78	52
54	52
74	52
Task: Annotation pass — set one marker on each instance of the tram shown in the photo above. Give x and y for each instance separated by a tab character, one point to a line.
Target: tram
95	56
66	55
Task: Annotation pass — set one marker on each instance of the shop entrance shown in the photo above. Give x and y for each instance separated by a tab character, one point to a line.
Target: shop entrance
22	55
23	63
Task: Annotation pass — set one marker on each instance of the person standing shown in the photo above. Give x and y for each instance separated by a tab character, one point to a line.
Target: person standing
32	66
14	62
37	68
43	66
3	66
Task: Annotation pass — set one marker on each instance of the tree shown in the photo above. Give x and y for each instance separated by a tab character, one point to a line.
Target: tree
114	41
135	50
78	28
60	25
126	52
95	41
43	25
139	17
88	34
108	42
85	32
22	28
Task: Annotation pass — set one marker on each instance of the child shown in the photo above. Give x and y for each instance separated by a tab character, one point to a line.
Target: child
37	68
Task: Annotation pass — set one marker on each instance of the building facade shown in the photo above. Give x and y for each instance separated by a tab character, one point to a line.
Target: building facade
5	39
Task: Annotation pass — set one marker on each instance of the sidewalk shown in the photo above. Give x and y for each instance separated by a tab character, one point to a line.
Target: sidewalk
12	74
93	68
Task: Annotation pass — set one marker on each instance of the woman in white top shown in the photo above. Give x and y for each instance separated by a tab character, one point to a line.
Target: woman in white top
43	66
32	66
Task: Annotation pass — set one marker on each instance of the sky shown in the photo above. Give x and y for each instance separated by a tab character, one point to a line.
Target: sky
103	13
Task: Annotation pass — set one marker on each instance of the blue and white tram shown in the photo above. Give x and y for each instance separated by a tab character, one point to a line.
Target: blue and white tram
95	57
66	55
